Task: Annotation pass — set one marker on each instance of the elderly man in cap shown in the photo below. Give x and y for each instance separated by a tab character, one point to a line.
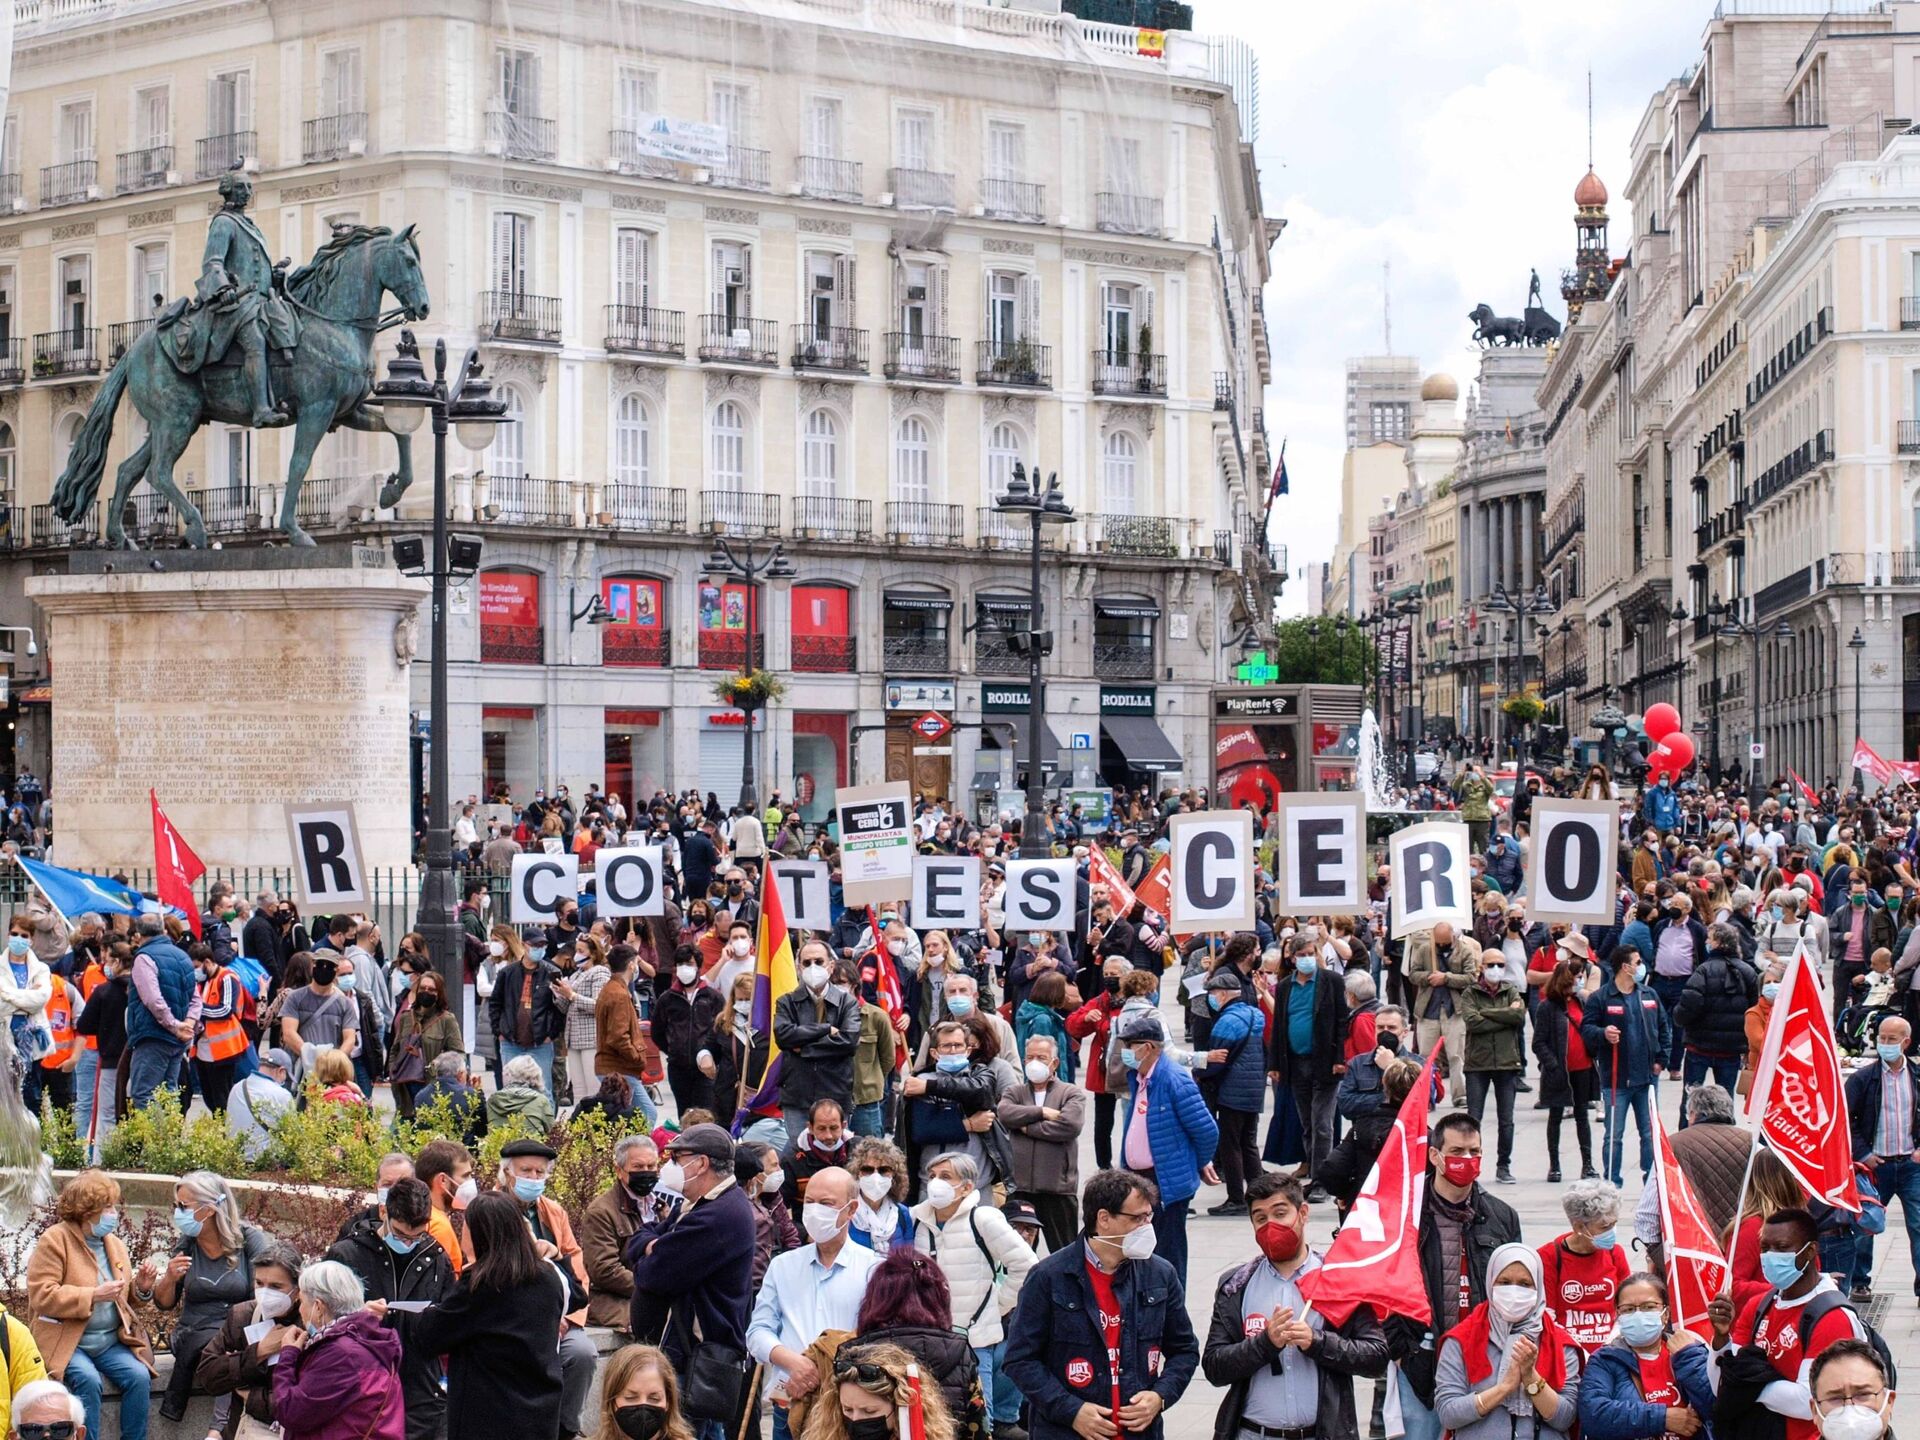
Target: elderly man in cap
524	1168
692	1263
256	1103
47	1410
1167	1134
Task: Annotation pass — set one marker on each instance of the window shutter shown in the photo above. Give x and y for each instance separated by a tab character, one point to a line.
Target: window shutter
843	289
937	299
630	274
504	268
717	301
1145	294
746	274
900	294
243	101
1030	310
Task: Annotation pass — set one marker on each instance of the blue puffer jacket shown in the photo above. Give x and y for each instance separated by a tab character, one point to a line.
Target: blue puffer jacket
1661	808
175	974
1182	1133
1243	1078
1610	1403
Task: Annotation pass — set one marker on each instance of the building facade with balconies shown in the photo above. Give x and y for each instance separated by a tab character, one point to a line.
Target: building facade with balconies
929	246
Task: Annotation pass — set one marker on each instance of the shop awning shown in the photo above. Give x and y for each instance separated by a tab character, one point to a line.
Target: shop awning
1049	738
1141	742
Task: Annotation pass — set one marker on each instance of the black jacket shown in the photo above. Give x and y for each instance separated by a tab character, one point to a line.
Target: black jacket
969	1092
260	938
503	1355
700	1270
1863	1107
503	1006
426	1274
1329	1026
1551	1023
104	1017
944	1355
817	1040
1712	1010
681	1020
1349	1163
1416	1346
1232	1358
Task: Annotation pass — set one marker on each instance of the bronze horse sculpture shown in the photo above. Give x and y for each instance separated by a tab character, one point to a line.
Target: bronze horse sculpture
324	384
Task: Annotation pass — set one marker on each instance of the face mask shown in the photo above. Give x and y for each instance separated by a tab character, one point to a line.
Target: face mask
1036	938
876	1427
1770	989
641	1182
640	1422
1513	1302
1306	964
951	1064
960	1006
18	944
348	982
466	1191
896	947
1139	1243
1495	973
821	1222
187	1223
380	1197
270	1304
773	1181
1605	1240
1279	1243
1039	1072
685	974
1780	1268
1890	1054
1775	912
1849	1422
1640	972
673	1177
1216	999
496	947
1641	1328
743	946
402	1247
1858	900
936	960
1113	984
814	977
1130	1059
743	1009
324	971
404	981
1461	1170
108	1222
527	1191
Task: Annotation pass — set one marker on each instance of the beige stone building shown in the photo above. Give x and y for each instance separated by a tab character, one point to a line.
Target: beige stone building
935	237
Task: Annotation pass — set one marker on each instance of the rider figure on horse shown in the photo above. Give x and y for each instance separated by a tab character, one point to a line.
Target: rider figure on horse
236	275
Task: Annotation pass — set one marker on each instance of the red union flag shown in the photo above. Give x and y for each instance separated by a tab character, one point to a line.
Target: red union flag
1865	760
1100	871
1375	1259
1805	789
1154	891
1798	1104
1696	1270
175	866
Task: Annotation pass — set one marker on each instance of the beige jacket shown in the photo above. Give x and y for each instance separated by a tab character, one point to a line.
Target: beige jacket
1462	966
61	1278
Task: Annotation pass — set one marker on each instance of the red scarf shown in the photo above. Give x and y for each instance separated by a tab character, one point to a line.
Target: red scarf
1475	1334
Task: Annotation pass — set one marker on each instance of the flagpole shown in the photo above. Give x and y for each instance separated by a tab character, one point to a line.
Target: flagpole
1740	1204
65	924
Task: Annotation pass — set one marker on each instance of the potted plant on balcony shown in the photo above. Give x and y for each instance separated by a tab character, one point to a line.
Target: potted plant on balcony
1145	356
1522	709
750	690
42	367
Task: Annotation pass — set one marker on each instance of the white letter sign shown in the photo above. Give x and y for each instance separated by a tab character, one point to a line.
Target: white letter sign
946	892
1211	882
1571	867
327	874
630	882
804	893
1431	881
876	842
540	883
1039	895
1321	840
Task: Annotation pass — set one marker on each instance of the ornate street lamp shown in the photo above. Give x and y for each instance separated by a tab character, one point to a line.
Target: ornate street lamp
1041	509
749	565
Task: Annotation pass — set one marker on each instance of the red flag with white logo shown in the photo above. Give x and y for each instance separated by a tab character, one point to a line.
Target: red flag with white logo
1101	871
1798	1104
1805	789
886	982
1867	762
1696	1269
1375	1259
1155	890
175	866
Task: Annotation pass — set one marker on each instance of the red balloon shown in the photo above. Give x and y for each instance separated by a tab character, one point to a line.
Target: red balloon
1661	721
1679	747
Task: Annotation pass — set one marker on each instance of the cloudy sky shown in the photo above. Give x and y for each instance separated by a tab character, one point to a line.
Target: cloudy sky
1445	137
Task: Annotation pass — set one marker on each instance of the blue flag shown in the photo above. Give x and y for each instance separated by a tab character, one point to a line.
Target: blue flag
74	892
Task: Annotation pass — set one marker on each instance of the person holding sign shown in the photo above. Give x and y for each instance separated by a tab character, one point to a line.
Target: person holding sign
1440	966
1495	1018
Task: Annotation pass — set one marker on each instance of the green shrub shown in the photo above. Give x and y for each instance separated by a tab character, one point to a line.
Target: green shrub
59	1138
159	1140
329	1144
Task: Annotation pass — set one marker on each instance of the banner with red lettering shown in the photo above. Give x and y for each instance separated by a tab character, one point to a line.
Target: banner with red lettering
1375	1259
175	866
1798	1104
1868	763
1696	1270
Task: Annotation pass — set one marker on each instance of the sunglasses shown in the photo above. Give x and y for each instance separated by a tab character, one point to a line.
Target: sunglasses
58	1430
867	1372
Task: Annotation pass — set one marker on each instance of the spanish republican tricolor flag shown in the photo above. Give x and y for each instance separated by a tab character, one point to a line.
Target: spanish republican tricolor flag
773	976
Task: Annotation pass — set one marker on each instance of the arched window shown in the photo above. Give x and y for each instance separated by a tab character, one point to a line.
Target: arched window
1120	475
507	457
729	447
913	462
1003	448
632	441
820	455
64	435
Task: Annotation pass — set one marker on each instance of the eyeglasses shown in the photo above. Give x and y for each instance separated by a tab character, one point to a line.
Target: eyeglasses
1872	1397
57	1430
867	1372
1652	1307
1136	1218
875	1170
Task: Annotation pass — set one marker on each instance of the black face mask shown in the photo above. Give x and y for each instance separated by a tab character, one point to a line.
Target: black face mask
324	971
641	1182
640	1422
1113	984
878	1428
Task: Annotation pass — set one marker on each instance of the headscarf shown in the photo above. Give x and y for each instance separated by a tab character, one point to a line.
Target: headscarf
1500	1331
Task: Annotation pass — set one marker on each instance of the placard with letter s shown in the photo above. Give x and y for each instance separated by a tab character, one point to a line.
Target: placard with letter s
1573	861
1040	895
1211	883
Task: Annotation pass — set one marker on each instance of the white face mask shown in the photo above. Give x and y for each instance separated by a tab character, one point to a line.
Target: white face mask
742	946
940	1193
1139	1243
821	1222
896	947
467	1190
1513	1302
685	973
1855	1422
673	1178
936	959
876	1187
1039	1072
814	977
271	1304
773	1181
496	947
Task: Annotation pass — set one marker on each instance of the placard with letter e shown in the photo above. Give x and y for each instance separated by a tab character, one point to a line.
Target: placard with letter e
1039	895
1571	866
1211	883
540	882
630	881
327	873
1431	881
946	892
876	842
1322	839
806	892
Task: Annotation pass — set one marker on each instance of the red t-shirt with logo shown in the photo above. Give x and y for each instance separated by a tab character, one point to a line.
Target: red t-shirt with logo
1778	1333
1581	1289
1109	1307
1657	1385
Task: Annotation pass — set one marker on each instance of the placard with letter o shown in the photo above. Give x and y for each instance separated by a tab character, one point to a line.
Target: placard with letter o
540	883
1573	861
1322	841
630	881
1039	895
1431	880
1210	884
946	892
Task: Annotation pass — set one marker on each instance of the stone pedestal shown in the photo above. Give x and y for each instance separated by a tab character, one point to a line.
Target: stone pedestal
232	692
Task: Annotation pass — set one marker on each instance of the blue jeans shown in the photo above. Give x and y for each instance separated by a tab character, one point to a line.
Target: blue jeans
1670	988
1003	1399
780	1430
644	1103
869	1119
1891	1178
1421	1423
120	1367
1170	1238
541	1053
1696	1067
154	1064
1617	1102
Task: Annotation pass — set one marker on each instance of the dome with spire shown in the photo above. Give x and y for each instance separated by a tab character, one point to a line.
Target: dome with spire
1590	194
1439	386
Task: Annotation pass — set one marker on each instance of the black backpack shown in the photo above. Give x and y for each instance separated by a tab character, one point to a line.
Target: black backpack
1818	1308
